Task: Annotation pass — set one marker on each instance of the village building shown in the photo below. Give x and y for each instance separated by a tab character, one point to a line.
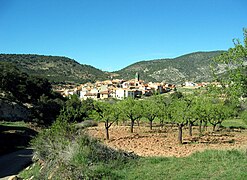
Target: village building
104	94
118	88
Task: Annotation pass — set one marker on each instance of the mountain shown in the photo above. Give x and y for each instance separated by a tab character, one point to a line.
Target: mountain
189	67
55	68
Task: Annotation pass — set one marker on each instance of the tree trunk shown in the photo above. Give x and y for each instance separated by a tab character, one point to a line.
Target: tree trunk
151	124
107	129
138	122
162	123
190	128
107	133
200	127
214	125
124	122
132	126
172	125
220	125
205	126
180	134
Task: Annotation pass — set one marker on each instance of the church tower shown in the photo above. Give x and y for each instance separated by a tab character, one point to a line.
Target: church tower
137	77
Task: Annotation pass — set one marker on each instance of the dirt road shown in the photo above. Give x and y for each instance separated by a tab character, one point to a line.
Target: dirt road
13	163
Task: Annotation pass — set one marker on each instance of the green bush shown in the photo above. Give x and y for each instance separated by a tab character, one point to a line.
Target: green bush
244	116
68	153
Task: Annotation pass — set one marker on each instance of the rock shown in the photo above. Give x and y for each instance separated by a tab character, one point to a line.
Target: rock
13	111
14	177
87	123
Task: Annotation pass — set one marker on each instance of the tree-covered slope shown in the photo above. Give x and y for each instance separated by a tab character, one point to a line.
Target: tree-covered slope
55	68
189	67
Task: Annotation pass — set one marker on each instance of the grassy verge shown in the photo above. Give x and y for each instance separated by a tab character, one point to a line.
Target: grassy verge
13	124
66	152
210	164
32	171
234	123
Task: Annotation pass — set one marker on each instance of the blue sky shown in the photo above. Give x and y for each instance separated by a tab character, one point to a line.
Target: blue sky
111	34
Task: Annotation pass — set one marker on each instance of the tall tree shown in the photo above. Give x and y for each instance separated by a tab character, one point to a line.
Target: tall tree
77	110
234	61
24	87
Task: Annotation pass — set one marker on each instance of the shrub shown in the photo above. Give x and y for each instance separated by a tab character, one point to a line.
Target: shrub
52	141
71	154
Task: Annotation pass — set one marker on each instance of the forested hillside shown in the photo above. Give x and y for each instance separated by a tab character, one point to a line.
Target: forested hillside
189	67
55	68
26	97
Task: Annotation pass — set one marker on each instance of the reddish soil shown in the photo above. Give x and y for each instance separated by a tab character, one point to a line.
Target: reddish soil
163	141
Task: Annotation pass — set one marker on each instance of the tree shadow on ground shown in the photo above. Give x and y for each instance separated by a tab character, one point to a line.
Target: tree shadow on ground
211	138
13	138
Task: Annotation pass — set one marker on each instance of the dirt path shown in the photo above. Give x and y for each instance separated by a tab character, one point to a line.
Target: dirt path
13	163
163	141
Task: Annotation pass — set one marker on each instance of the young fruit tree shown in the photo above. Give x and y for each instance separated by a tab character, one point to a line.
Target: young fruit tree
197	112
131	109
107	113
179	112
163	104
201	111
192	111
151	110
218	112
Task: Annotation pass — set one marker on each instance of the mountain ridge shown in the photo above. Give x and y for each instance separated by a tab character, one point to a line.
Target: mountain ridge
188	67
59	69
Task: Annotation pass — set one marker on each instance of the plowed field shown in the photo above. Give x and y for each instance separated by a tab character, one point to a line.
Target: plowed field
163	141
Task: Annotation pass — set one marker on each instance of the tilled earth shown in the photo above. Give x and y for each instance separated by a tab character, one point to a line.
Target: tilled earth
163	141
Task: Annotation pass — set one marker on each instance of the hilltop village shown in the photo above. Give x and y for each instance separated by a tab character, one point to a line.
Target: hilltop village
120	89
117	88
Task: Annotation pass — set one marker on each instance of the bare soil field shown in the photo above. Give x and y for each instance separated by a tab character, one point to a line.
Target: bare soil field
163	141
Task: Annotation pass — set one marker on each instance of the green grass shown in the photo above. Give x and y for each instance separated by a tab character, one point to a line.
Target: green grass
210	164
236	123
13	124
32	170
190	90
70	155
